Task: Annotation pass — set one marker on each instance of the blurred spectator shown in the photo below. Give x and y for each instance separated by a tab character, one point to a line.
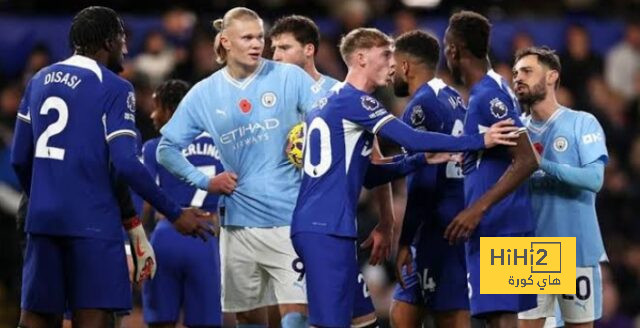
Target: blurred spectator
633	109
519	41
579	63
157	60
39	58
144	106
611	317
609	108
178	24
405	21
201	62
10	96
623	61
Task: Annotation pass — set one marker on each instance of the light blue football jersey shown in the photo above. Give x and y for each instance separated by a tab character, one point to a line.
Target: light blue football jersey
249	121
576	139
326	82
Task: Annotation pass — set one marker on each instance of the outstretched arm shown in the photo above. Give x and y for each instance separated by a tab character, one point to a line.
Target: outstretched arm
400	166
416	141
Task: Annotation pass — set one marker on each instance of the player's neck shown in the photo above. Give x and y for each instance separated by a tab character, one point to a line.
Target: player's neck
360	81
239	71
542	110
310	68
474	70
418	80
100	57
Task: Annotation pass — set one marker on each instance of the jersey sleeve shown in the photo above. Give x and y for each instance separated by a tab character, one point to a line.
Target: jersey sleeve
368	112
424	114
307	90
22	147
120	116
149	157
591	140
494	107
183	126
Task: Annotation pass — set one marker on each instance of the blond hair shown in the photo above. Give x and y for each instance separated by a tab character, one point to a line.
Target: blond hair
362	38
221	24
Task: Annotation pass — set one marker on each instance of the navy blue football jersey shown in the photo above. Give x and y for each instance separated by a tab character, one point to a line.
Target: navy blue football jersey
491	100
74	108
436	191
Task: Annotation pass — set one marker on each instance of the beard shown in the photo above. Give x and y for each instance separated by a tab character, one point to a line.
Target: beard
533	95
400	87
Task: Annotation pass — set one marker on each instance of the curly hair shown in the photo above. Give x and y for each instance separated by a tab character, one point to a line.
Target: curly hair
169	94
473	30
420	45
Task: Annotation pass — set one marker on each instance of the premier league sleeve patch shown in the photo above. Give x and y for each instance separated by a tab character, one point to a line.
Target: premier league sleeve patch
417	115
498	109
131	102
369	103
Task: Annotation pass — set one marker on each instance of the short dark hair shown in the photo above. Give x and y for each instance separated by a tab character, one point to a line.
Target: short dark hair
420	45
92	27
473	30
303	29
546	56
169	94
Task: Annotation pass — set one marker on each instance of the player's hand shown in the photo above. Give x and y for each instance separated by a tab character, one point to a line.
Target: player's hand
501	133
196	223
143	256
380	239
404	259
224	183
463	224
439	158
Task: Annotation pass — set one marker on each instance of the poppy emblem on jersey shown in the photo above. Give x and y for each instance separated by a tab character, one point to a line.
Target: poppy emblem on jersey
268	99
417	115
369	103
560	144
498	108
245	106
131	102
538	147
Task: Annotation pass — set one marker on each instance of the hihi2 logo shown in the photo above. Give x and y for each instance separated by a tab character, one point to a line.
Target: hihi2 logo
527	265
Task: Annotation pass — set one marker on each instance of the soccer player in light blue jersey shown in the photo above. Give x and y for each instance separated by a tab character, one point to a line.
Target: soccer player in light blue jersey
248	108
563	191
339	140
295	40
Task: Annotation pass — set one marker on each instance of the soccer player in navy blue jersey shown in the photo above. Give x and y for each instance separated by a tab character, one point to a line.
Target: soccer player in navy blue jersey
295	40
436	279
497	203
339	136
188	277
75	129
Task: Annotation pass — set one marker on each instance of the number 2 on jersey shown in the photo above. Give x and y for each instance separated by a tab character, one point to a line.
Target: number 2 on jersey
42	150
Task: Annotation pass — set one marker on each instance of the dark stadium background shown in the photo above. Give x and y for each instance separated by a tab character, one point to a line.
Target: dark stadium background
598	42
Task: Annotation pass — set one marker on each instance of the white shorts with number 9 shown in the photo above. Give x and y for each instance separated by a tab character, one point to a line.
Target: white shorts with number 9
259	268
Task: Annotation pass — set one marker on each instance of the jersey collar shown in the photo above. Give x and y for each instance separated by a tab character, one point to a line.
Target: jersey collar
539	129
84	62
243	84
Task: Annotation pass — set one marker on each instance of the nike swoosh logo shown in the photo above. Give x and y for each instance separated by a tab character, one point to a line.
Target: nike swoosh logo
366	151
139	251
221	112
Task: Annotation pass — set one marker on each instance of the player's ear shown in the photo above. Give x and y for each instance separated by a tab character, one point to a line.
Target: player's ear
552	76
224	41
309	49
361	58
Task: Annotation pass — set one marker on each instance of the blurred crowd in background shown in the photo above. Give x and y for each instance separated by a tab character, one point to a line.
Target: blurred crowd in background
598	44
